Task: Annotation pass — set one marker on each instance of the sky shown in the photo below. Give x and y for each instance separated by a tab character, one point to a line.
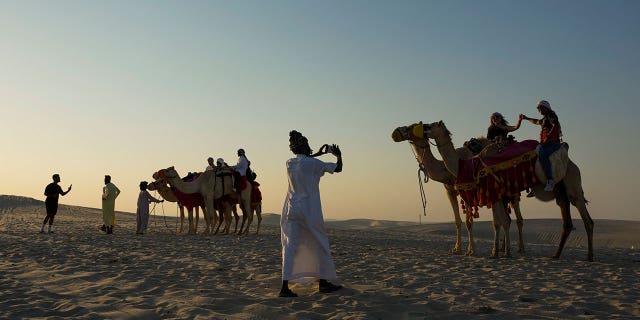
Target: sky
126	88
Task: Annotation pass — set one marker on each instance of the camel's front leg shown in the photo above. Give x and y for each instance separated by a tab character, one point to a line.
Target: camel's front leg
453	199
210	210
191	225
258	209
197	217
500	222
469	224
515	204
234	211
181	219
253	208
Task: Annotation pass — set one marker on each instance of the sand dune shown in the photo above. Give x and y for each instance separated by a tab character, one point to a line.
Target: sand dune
394	270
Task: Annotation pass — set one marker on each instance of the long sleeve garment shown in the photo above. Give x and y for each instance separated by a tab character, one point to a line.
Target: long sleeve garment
142	217
306	254
109	194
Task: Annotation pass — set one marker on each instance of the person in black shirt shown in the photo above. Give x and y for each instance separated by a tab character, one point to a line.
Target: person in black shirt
52	191
499	128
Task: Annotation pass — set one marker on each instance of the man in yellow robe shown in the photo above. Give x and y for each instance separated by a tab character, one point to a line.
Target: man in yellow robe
109	194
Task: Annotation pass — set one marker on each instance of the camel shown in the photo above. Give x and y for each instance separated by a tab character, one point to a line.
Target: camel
203	184
567	191
256	206
226	199
435	169
190	201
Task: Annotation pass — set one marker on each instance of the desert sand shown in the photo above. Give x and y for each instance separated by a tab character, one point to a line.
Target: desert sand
390	270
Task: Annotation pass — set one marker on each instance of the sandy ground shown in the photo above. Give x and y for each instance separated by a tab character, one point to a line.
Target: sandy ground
390	270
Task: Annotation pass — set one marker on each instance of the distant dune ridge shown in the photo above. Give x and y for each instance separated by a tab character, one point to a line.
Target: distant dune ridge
390	270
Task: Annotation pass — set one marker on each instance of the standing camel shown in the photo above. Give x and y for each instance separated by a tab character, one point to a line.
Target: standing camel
435	169
203	184
190	201
256	206
567	191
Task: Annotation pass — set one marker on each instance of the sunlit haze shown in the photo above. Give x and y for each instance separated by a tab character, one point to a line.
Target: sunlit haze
125	88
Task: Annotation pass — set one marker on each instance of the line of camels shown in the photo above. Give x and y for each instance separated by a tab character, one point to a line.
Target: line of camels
568	190
214	192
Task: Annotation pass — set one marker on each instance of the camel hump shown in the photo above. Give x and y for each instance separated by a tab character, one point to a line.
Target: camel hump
559	162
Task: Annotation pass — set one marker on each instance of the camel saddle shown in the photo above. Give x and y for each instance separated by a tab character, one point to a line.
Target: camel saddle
224	183
486	178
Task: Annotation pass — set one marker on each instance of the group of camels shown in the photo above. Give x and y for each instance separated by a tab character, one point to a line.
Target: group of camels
568	190
213	191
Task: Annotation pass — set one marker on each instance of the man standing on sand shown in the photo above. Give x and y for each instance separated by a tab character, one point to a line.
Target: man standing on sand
52	191
306	255
109	194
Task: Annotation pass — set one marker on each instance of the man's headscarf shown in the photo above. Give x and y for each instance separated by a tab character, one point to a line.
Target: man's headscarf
297	140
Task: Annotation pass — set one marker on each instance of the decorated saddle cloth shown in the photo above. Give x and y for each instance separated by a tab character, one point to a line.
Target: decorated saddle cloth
256	195
189	200
483	180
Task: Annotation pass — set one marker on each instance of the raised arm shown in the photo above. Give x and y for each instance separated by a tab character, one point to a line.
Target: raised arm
336	152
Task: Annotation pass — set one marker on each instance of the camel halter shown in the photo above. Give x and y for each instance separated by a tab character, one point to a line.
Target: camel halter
421	181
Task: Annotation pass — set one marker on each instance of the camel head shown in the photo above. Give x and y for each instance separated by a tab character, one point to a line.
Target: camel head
435	130
167	173
152	186
412	132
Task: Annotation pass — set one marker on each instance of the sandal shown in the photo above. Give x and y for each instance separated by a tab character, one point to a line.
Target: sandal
287	294
329	287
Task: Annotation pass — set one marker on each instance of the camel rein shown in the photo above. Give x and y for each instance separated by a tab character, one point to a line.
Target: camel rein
421	170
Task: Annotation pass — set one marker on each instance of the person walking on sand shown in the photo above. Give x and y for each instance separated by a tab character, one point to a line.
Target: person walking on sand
142	216
306	255
109	194
52	191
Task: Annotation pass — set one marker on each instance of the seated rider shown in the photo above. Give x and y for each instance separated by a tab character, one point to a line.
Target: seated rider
550	137
499	128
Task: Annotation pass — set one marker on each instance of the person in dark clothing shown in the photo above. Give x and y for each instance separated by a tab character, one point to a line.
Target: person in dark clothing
53	191
500	128
550	138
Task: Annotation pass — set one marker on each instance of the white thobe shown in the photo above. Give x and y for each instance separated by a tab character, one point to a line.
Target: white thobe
142	218
109	194
242	165
306	255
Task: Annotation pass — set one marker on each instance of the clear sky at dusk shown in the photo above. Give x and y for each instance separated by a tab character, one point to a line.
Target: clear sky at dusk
125	88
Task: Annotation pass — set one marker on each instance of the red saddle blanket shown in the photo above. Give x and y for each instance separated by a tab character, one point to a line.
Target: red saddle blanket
189	200
482	181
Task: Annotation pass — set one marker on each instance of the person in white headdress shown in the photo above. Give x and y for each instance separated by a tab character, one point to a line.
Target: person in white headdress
550	138
306	255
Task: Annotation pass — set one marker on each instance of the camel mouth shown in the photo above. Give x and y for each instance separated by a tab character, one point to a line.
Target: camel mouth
396	135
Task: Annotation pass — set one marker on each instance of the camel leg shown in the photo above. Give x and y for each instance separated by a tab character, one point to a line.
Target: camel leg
573	187
565	210
227	218
515	204
453	199
469	224
205	217
500	222
234	210
258	208
191	225
220	219
181	219
197	217
245	229
253	208
210	211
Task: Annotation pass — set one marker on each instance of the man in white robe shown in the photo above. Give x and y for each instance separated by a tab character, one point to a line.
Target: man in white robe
142	217
306	255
